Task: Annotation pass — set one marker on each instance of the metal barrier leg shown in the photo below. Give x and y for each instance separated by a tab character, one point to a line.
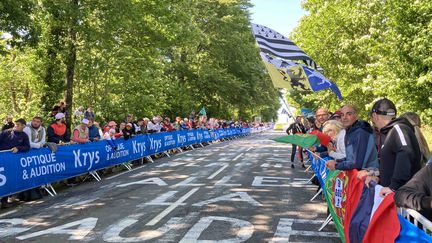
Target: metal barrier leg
327	221
48	188
308	168
179	149
128	166
310	179
316	195
150	159
95	175
190	146
167	154
202	146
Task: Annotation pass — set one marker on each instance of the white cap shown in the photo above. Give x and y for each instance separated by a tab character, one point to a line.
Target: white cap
85	121
59	116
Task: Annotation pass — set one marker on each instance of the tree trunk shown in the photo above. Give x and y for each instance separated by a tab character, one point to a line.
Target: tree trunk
71	60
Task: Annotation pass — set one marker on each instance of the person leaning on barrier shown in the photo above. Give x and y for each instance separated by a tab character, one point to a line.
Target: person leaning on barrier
417	192
36	133
15	139
81	132
93	131
128	132
361	153
336	147
398	149
57	131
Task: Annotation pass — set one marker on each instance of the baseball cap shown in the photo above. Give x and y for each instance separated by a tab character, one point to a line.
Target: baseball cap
59	115
384	107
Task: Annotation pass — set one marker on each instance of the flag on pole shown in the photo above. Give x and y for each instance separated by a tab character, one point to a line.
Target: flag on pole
284	111
203	112
319	82
274	43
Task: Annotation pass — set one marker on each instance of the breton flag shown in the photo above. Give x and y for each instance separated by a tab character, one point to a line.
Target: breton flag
274	43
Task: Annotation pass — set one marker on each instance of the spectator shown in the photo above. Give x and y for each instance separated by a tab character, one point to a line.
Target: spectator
359	144
8	123
15	139
57	131
417	192
336	116
110	137
81	132
296	128
322	116
89	114
167	127
399	151
60	108
129	119
120	130
177	123
335	130
99	129
128	132
36	133
79	113
110	125
154	125
414	119
93	130
138	125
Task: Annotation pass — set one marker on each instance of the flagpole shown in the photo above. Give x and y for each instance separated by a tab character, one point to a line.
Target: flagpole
286	104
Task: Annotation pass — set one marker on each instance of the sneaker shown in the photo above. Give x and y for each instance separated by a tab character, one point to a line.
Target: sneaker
292	166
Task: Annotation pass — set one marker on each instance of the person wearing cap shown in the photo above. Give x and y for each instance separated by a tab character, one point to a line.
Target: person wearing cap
398	150
36	132
15	139
8	124
138	125
361	153
81	132
57	131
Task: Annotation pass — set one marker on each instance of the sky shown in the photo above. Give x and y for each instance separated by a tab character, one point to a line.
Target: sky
279	15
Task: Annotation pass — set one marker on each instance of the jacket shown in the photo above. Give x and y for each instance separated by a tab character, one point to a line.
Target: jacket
295	128
417	193
399	154
10	139
58	132
94	133
360	148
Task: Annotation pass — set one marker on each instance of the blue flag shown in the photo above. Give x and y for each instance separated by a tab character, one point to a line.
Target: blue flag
318	82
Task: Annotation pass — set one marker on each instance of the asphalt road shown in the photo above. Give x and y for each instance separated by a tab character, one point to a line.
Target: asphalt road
241	190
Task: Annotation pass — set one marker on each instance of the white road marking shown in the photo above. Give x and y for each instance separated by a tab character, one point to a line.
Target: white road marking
125	172
150	181
161	200
238	156
177	203
233	197
217	172
244	230
187	182
7	213
249	149
224	180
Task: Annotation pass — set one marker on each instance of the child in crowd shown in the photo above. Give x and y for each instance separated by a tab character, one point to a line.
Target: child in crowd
335	130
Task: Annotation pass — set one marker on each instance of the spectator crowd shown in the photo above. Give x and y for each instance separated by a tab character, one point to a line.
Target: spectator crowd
390	151
22	136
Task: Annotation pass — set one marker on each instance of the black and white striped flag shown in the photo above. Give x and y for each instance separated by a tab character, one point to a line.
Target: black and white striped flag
275	44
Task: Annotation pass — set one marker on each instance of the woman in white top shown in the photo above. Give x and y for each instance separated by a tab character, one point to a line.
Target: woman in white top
336	131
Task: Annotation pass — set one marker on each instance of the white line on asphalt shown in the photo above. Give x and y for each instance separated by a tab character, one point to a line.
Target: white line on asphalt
122	173
5	214
238	156
224	180
249	149
217	172
164	213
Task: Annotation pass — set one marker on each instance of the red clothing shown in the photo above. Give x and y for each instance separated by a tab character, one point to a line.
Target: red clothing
59	129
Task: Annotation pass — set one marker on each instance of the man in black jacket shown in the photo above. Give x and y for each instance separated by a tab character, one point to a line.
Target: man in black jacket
398	149
417	192
294	128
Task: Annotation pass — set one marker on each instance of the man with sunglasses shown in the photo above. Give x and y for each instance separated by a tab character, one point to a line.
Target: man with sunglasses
398	149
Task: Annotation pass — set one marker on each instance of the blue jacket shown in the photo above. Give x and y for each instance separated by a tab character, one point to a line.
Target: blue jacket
360	148
10	139
94	133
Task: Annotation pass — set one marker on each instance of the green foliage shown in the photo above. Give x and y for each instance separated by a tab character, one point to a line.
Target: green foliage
370	49
143	57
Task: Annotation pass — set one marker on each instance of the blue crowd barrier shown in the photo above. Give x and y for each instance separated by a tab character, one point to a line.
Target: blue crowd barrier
23	171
